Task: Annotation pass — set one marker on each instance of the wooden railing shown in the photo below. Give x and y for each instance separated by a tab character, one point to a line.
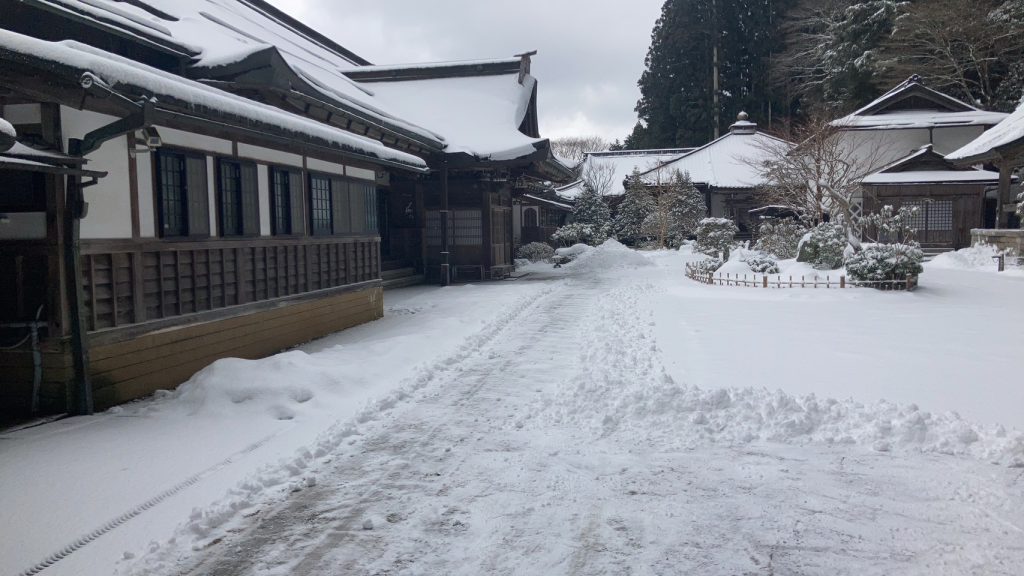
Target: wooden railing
780	281
132	282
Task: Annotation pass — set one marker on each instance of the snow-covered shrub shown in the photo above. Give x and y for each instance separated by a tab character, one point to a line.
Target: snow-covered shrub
715	235
762	264
708	265
824	246
536	252
885	262
779	238
576	233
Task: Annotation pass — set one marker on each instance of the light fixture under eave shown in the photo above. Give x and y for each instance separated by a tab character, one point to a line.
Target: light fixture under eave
148	141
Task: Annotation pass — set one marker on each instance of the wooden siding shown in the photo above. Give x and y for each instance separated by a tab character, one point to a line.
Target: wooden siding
133	282
134	368
967	205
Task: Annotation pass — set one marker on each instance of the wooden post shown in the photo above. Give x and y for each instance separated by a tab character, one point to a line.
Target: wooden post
765	280
1005	172
842	281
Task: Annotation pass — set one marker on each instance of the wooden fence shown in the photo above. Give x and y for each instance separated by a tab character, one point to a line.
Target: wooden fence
127	283
780	281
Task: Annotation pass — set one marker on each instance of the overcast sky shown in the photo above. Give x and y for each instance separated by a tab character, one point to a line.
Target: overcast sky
590	53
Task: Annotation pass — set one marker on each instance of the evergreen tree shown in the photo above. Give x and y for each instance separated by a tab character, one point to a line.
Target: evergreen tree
637	205
591	217
688	209
676	107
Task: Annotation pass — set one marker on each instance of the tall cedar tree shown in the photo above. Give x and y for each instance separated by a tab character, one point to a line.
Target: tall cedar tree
676	102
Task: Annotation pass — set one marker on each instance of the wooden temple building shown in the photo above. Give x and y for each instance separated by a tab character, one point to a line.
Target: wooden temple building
186	181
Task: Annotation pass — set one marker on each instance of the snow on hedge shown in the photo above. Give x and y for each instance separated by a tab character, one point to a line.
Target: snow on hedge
115	70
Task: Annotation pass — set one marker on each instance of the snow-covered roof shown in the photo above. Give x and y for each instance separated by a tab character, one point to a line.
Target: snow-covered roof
911	104
732	161
623	162
117	71
223	32
925	166
478	115
1008	132
932	177
548	202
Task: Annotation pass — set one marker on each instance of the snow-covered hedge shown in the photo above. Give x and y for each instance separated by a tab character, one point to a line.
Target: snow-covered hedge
715	235
780	238
707	265
878	262
536	252
824	247
762	264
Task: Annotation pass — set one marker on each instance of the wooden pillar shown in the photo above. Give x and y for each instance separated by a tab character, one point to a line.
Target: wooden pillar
1005	171
445	222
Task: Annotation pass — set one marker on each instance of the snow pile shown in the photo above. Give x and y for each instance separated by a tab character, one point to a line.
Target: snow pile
624	391
6	129
611	255
979	257
281	386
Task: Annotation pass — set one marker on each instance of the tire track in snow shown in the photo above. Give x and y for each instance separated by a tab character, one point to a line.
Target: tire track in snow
136	511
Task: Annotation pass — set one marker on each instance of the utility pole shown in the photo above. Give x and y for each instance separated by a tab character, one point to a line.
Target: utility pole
714	60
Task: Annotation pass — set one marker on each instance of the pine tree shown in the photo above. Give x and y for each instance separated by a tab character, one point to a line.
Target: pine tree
636	207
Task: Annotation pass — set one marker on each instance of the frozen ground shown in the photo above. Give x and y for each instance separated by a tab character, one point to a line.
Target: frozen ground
609	417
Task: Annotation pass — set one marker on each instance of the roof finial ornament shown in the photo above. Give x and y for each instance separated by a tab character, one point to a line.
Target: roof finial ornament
743	125
916	79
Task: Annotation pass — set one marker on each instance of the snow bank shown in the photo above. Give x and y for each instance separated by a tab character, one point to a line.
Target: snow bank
7	129
625	391
611	255
978	257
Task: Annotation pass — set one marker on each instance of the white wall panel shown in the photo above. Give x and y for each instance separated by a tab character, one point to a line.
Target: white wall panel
317	165
109	201
269	156
263	185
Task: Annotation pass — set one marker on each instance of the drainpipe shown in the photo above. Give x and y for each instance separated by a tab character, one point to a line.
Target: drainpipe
445	248
75	209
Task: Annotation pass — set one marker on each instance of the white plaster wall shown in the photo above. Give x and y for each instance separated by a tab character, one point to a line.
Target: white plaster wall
147	196
361	173
318	165
172	137
22	113
877	148
269	156
211	178
109	201
263	187
947	140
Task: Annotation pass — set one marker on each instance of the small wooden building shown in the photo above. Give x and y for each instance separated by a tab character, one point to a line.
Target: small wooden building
950	200
537	216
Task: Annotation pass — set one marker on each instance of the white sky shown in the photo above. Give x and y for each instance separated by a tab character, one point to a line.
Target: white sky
590	54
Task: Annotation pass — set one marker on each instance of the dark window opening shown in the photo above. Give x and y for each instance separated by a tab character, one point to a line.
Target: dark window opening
173	195
282	201
320	205
230	199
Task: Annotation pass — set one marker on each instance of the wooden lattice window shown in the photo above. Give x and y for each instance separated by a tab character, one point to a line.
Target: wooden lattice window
321	219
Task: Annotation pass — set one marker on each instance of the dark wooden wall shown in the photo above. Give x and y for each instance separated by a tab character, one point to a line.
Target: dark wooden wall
967	204
130	282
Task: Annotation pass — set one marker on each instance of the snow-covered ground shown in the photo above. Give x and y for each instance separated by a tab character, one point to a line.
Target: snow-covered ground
608	417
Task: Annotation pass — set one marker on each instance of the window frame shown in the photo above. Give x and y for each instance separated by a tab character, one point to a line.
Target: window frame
313	207
159	188
285	202
240	228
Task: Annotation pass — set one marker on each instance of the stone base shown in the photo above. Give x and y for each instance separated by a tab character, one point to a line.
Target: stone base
1010	241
